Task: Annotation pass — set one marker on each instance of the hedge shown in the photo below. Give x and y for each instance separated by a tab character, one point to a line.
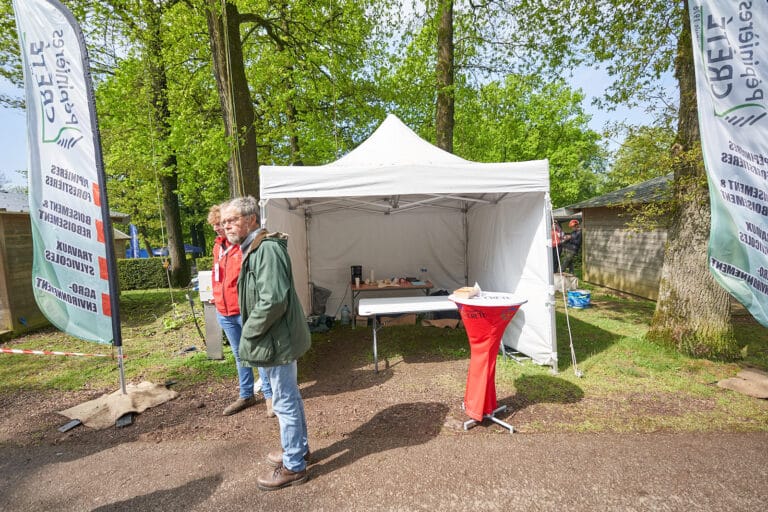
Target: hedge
141	273
204	263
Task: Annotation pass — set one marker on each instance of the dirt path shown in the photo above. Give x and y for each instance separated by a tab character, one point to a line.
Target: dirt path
386	441
482	471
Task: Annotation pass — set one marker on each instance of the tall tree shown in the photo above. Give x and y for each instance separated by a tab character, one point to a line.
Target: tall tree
224	21
644	154
139	22
311	73
693	311
444	110
134	151
640	41
150	33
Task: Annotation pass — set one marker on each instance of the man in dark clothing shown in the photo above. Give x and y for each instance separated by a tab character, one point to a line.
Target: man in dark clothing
226	269
570	246
275	333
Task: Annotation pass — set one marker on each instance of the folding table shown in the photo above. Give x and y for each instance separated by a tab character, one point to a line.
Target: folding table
423	286
376	307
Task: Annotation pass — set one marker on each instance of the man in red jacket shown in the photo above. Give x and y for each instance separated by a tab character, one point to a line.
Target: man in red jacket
227	259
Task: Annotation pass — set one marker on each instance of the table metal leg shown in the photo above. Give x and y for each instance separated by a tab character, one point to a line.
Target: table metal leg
471	423
354	307
375	354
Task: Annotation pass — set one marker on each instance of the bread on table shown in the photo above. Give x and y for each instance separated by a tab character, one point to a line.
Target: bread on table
466	292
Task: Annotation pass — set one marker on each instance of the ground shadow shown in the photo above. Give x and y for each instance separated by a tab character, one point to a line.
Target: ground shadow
588	341
412	344
539	389
337	363
343	381
390	428
183	497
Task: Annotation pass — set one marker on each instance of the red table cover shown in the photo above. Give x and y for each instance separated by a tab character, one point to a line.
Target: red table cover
485	323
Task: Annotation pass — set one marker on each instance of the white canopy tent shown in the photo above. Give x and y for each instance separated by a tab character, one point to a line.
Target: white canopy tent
397	204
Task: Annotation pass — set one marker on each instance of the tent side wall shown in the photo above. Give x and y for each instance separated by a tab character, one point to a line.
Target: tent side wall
279	218
509	252
393	245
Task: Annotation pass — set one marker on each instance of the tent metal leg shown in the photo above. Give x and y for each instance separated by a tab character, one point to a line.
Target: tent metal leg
471	423
375	353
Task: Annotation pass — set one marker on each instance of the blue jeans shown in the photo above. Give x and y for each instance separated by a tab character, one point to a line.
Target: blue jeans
233	328
289	409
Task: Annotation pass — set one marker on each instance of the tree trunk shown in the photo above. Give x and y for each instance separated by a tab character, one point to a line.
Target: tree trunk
160	119
197	233
169	185
290	108
145	241
693	311
235	98
445	93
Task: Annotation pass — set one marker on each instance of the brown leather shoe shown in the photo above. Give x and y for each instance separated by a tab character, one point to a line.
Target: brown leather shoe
238	405
275	458
281	477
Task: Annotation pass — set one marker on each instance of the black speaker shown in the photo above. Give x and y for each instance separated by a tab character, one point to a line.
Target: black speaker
357	271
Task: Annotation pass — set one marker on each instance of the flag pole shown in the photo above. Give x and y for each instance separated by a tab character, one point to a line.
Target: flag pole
109	237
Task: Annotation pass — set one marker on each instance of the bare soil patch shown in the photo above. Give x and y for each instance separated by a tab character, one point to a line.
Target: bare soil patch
420	394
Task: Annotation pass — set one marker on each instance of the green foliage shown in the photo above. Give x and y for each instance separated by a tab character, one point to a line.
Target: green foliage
138	147
141	273
525	119
644	154
635	40
311	76
10	69
204	263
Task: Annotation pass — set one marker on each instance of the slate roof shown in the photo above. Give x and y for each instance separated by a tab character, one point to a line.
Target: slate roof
13	202
641	193
566	213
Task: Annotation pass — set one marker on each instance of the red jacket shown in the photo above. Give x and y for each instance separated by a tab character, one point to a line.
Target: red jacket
557	236
227	259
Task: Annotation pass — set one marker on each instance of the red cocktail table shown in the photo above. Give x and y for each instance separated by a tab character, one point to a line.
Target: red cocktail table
485	318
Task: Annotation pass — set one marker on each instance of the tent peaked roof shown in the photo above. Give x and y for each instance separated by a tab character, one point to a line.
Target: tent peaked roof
393	143
395	161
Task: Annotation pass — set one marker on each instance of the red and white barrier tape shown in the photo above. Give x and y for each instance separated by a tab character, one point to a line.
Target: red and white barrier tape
50	353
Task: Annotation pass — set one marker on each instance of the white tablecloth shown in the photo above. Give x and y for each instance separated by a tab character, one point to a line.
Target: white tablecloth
396	305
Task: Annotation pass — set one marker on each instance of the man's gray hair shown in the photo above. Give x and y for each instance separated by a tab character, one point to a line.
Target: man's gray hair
245	206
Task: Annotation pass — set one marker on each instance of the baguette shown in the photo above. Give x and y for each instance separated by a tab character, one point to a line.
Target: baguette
465	292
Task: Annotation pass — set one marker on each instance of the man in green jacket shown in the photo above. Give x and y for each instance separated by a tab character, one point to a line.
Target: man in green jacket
275	333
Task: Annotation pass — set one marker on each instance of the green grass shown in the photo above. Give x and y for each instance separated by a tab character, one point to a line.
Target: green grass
157	326
626	383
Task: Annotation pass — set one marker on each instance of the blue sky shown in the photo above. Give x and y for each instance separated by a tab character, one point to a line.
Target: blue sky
13	139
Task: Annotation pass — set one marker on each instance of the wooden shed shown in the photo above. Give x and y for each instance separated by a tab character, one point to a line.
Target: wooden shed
616	256
18	310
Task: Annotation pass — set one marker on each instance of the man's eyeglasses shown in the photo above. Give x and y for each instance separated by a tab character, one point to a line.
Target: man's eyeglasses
230	220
